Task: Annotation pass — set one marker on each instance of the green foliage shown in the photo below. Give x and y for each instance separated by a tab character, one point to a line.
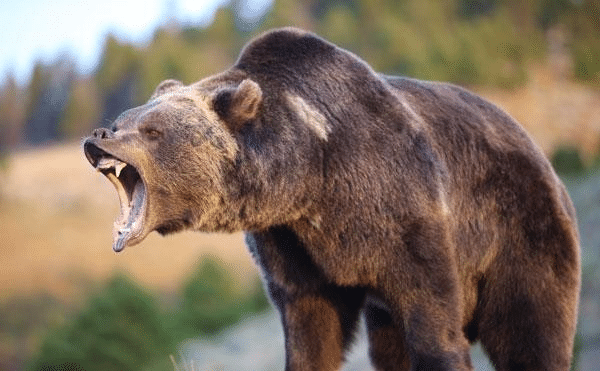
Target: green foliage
471	9
12	113
82	110
46	98
210	301
551	11
466	42
122	327
582	20
20	315
119	61
567	161
469	42
22	320
586	59
4	161
577	348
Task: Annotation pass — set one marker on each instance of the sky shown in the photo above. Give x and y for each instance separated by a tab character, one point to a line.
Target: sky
42	30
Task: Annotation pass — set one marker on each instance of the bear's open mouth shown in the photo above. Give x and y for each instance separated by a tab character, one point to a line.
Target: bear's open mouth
130	187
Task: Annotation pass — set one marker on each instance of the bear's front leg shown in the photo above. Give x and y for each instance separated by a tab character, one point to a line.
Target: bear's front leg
423	294
318	325
318	317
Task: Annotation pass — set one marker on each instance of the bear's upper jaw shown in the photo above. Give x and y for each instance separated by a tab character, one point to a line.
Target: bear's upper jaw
129	227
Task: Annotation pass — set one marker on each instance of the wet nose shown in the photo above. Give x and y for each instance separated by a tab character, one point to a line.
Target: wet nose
102	133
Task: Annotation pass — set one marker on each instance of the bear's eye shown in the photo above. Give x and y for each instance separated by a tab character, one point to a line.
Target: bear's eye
152	133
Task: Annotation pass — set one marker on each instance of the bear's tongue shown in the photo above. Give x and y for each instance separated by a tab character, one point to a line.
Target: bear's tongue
132	200
129	224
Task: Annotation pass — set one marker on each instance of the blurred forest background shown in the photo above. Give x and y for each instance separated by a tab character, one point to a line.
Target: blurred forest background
60	298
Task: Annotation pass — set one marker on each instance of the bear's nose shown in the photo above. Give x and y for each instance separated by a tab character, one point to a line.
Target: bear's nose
102	133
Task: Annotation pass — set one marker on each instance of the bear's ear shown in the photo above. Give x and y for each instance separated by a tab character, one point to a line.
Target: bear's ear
165	87
239	105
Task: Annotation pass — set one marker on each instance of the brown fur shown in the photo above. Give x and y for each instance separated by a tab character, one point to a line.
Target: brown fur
418	204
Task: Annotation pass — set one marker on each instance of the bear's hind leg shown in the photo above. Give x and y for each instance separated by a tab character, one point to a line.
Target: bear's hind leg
529	326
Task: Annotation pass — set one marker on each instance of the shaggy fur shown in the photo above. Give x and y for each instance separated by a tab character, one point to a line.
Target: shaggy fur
418	204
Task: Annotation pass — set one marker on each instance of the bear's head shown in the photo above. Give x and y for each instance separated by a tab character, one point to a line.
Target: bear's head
167	158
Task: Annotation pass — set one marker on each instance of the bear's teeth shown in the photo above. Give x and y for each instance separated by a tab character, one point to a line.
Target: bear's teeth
119	167
105	163
109	163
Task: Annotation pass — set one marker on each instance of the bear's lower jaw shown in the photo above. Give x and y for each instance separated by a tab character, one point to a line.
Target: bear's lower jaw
130	226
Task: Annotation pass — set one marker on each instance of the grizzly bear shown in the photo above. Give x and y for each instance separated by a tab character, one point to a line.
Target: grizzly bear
419	205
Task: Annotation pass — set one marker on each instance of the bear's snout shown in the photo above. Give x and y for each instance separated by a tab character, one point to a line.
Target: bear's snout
102	133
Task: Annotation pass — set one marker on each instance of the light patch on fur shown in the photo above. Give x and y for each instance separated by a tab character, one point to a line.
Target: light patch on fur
310	115
415	116
316	221
445	210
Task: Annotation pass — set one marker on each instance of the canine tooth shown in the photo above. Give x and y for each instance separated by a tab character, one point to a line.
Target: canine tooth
119	167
